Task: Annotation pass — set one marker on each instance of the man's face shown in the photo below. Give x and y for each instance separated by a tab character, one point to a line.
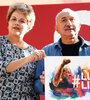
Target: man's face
68	25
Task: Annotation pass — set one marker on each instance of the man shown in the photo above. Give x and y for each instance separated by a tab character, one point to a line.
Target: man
70	44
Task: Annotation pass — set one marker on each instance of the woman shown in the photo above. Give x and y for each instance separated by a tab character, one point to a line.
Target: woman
17	58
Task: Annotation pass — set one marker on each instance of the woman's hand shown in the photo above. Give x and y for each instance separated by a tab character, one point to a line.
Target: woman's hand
37	55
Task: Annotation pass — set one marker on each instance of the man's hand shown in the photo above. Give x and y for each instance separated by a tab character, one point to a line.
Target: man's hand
42	77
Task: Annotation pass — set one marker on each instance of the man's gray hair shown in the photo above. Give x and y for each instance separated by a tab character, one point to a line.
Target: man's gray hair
66	10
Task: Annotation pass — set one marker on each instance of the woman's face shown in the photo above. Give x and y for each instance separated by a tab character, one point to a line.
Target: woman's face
18	24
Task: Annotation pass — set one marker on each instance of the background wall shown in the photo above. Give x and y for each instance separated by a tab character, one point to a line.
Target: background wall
40	2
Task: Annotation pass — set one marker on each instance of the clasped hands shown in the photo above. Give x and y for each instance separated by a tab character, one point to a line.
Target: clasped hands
37	55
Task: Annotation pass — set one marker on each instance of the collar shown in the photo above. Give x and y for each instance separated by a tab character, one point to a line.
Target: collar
84	43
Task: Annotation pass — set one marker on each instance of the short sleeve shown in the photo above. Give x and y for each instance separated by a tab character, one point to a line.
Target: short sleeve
2	68
5	58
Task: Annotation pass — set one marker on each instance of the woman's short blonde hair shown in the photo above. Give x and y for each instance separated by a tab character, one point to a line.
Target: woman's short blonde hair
25	9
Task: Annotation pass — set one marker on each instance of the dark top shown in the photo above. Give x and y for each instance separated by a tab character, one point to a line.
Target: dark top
71	49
